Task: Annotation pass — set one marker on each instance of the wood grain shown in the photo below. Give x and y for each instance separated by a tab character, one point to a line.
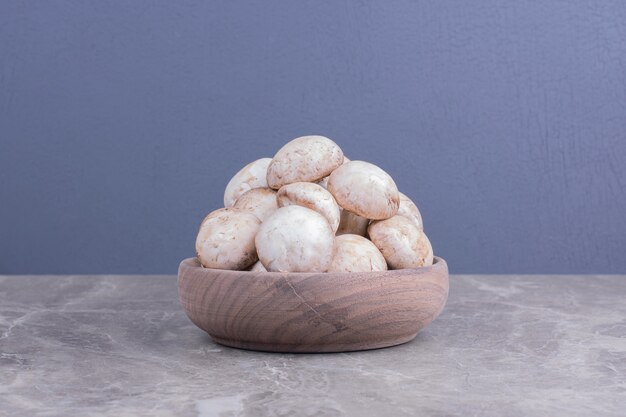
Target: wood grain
312	312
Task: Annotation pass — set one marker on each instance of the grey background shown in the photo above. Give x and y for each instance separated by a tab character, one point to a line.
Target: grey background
121	122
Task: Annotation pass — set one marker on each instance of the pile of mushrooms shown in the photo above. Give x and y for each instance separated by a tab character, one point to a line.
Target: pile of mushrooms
311	209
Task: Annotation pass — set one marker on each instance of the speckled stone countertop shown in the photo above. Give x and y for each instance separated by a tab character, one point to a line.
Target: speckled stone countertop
122	346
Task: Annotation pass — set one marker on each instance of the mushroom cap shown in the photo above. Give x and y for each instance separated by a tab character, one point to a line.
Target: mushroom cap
295	239
402	244
312	196
350	223
257	267
354	253
259	201
304	159
226	239
253	175
409	210
364	189
324	181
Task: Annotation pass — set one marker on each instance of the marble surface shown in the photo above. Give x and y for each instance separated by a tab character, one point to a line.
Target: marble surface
504	346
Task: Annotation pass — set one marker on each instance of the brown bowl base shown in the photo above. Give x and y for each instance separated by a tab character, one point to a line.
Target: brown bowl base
321	348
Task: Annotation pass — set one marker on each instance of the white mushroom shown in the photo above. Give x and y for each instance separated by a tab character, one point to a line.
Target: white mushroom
402	244
304	159
295	239
312	196
259	201
253	175
324	181
257	267
226	239
352	223
364	189
409	210
354	253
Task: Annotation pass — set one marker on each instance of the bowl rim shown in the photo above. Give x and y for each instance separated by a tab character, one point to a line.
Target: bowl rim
194	263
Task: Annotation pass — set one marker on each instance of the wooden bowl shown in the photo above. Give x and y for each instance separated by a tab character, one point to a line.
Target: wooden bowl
312	312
